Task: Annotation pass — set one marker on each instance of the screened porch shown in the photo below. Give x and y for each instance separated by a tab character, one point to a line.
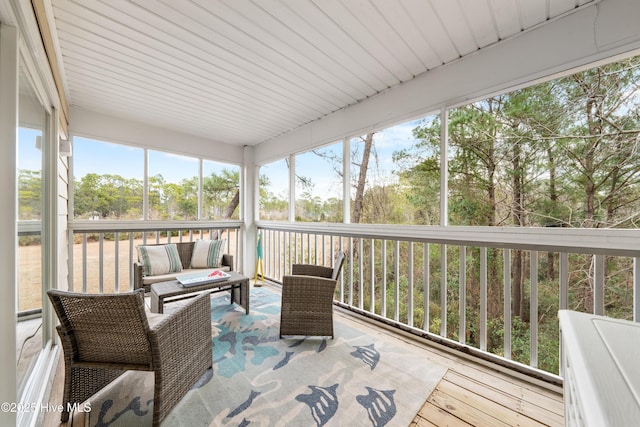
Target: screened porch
477	163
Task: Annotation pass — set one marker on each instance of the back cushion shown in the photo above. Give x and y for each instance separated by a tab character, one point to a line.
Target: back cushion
207	253
160	259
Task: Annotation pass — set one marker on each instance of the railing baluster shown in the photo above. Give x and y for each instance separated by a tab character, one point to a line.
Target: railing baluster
411	284
462	296
132	257
564	281
361	274
636	289
598	285
84	263
507	303
351	271
101	263
384	278
483	298
443	290
396	281
426	297
533	309
116	284
372	278
315	249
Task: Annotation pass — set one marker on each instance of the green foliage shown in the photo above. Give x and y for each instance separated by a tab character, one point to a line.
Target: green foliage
114	197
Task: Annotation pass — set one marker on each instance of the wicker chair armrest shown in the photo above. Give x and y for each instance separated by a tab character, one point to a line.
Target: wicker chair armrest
227	261
311	270
182	351
138	273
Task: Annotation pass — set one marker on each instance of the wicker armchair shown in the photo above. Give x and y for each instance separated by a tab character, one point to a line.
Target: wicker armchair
105	335
307	299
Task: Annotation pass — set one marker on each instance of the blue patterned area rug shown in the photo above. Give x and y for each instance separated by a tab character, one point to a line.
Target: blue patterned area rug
362	377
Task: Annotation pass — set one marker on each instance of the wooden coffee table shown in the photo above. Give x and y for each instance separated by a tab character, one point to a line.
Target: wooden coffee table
237	284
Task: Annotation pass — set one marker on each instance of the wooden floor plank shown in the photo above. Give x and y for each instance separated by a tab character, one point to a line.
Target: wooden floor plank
549	412
487	406
462	410
437	416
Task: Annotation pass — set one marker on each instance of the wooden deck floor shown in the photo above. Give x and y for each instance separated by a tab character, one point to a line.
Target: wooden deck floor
476	396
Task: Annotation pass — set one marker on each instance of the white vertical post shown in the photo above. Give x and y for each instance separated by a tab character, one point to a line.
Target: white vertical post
598	285
443	290
351	271
200	185
116	273
384	278
563	279
444	214
292	188
427	290
533	309
396	281
507	303
462	295
101	259
250	211
8	225
361	275
372	278
145	189
483	298
346	181
636	289
444	167
411	284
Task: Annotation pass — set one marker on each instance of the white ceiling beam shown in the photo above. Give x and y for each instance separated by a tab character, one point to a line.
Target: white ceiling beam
88	124
595	33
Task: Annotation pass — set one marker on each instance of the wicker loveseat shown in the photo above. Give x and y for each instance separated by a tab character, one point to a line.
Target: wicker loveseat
185	251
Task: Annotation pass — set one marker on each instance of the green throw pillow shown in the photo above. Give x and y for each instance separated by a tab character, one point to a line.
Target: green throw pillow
207	253
160	259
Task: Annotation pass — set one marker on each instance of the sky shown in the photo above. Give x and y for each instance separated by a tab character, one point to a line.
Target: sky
128	162
326	182
29	156
90	156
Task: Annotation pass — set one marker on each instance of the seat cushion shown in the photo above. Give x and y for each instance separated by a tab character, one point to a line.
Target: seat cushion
160	259
148	280
207	253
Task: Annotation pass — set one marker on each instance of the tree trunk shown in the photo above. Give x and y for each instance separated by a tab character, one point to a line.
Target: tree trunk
553	196
517	301
231	207
228	212
362	179
518	220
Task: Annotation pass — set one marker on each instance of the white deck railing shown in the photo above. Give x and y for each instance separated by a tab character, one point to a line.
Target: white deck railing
98	264
389	274
393	274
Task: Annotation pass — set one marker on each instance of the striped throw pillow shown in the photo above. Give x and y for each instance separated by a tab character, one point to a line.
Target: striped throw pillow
207	253
160	259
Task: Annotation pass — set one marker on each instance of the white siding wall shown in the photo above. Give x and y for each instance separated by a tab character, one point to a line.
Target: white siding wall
63	212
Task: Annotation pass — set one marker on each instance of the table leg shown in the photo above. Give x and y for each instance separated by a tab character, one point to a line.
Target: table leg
156	303
244	295
235	294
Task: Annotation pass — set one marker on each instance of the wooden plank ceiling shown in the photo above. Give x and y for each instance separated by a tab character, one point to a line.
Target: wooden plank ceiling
245	71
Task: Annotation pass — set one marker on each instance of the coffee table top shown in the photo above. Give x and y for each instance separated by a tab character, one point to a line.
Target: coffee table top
173	287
